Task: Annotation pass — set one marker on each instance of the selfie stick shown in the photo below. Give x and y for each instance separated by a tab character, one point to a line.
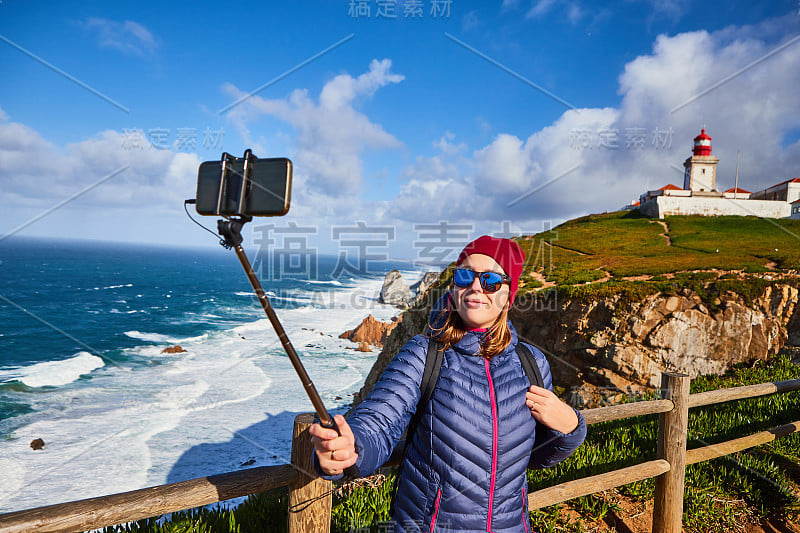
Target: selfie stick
230	230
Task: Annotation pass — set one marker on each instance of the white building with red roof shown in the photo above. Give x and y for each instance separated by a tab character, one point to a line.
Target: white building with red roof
699	195
737	192
795	210
786	191
701	167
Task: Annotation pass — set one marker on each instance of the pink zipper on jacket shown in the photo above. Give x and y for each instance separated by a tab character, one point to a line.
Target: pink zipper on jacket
494	445
525	516
436	509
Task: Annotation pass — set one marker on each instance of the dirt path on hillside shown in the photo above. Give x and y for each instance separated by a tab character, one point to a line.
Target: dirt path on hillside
666	231
565	248
540	277
606	277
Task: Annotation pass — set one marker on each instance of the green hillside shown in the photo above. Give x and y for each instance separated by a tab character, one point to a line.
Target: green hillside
630	252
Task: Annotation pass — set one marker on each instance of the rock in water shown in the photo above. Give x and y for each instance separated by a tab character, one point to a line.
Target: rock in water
394	290
37	444
174	349
424	284
371	331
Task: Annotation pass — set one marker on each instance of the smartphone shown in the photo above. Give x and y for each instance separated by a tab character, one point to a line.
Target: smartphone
244	186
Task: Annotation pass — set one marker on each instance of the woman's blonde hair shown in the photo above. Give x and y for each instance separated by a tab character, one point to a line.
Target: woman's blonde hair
453	329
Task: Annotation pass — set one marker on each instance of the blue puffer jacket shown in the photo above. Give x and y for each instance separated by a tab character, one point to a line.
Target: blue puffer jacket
465	468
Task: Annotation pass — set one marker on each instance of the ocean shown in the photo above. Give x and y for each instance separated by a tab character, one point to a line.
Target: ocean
83	326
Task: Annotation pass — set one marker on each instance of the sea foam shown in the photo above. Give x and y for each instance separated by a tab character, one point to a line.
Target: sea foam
229	400
151	337
54	373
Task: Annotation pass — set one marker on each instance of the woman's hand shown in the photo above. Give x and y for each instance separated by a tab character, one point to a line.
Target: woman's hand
335	452
548	409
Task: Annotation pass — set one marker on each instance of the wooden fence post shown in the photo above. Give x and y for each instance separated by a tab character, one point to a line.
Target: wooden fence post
672	434
310	499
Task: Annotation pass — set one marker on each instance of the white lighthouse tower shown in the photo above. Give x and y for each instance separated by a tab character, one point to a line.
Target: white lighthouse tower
701	168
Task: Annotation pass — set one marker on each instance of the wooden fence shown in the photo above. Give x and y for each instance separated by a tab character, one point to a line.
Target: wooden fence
310	498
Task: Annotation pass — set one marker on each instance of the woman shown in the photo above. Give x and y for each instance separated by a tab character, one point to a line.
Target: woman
484	424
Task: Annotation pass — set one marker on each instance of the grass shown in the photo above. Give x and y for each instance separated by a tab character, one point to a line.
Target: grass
266	511
625	243
752	477
757	483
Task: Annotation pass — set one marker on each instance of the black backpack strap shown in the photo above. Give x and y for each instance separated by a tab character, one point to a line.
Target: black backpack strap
529	364
433	365
534	374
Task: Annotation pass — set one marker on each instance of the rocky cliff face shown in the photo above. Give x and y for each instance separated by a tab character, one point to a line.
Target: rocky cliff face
604	347
625	346
370	331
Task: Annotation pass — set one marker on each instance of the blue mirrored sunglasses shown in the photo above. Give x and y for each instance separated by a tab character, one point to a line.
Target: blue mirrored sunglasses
490	281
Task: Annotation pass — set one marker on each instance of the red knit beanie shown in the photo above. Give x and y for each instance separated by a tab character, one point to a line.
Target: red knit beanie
506	252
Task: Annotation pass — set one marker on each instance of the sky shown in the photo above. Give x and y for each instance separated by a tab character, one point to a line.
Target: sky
412	125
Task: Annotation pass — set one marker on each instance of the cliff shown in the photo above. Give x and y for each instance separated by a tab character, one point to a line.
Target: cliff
600	348
616	299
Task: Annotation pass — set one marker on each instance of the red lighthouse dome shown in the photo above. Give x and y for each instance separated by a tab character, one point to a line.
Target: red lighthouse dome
702	144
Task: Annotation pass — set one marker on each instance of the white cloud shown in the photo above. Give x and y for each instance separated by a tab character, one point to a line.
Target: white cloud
674	9
470	20
128	37
331	135
539	8
446	145
343	89
752	111
574	13
635	146
38	174
503	164
435	186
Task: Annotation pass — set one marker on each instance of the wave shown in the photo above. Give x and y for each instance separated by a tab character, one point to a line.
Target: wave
249	293
151	337
54	373
110	287
183	414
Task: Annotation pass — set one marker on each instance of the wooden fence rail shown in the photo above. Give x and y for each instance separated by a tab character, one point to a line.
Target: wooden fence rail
306	488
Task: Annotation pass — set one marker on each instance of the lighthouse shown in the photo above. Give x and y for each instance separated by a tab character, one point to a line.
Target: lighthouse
701	168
